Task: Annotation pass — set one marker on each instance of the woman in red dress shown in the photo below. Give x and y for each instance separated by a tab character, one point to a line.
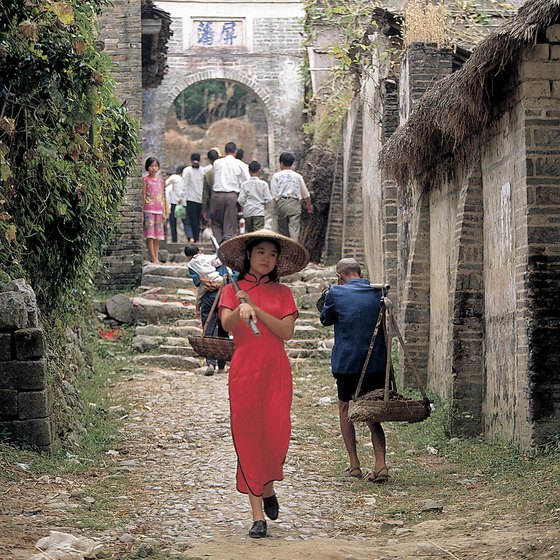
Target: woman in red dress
260	377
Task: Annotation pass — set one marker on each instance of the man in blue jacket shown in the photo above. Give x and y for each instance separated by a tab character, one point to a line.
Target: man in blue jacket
353	308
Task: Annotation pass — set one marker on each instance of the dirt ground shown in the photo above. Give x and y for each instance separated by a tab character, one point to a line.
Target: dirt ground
167	491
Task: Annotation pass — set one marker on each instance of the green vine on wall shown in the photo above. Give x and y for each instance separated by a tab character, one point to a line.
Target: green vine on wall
66	147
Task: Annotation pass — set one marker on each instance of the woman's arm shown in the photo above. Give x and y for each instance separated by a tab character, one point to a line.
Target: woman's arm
282	328
144	185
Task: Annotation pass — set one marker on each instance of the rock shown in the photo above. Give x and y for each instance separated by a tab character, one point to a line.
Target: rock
391	524
13	311
119	307
127	538
432	505
22	287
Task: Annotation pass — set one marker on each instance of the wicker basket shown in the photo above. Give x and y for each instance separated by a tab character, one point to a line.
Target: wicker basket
212	347
372	407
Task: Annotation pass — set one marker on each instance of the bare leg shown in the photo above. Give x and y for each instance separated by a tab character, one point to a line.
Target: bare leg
156	250
348	434
256	507
150	243
268	490
379	445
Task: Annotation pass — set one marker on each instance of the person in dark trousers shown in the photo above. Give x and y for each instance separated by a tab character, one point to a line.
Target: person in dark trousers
229	173
353	307
207	273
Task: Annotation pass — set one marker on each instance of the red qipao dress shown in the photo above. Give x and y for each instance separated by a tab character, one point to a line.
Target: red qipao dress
260	387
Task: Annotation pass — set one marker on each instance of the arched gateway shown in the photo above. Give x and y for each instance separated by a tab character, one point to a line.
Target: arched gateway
252	43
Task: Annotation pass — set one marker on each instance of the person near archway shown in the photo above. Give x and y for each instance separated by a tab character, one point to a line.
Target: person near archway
229	173
193	177
288	190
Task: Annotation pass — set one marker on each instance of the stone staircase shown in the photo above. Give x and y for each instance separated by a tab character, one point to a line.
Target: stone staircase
164	314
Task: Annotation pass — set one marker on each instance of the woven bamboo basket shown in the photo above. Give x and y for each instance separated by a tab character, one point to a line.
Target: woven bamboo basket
212	347
371	407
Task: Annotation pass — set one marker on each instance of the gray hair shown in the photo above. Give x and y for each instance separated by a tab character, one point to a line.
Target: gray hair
348	266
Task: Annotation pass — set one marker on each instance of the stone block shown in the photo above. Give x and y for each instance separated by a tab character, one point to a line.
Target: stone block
29	343
8	403
13	311
35	433
540	51
556	89
22	287
25	376
536	88
33	404
5	347
538	70
553	33
555	52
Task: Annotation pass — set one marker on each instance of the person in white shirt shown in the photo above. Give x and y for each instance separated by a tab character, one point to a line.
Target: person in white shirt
288	190
175	193
229	173
193	176
253	197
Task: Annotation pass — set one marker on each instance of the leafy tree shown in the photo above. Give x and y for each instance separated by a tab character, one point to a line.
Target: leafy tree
206	102
66	146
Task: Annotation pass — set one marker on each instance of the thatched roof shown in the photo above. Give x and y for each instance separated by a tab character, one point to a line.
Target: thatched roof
465	102
154	48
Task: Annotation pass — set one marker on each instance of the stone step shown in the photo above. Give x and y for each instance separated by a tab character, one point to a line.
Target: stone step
156	280
308	352
306	331
177	329
150	311
179	295
162	344
168	270
178	350
310	343
169	361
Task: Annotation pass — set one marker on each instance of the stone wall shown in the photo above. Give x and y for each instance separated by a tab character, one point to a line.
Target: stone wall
120	32
25	400
481	240
538	260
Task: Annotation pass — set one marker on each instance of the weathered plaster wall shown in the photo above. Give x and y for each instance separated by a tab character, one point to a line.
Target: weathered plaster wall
443	209
503	165
374	225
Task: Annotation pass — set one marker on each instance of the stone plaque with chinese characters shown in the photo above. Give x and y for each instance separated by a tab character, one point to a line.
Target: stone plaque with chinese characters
224	33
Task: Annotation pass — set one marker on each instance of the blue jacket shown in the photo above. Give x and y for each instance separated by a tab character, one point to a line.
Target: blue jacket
353	309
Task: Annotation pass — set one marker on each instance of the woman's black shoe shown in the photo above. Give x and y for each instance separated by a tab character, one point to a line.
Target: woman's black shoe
258	530
271	507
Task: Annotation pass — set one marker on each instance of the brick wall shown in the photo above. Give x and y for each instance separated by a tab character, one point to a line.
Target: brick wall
422	66
538	268
120	31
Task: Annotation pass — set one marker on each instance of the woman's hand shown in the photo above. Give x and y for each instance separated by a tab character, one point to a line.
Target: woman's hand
246	312
241	295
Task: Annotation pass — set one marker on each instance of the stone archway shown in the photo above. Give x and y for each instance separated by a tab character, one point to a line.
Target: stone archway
158	102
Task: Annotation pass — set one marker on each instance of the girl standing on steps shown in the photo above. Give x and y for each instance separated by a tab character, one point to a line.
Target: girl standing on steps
260	377
153	196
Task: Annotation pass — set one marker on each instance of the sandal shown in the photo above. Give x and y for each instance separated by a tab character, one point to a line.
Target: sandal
353	472
379	477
